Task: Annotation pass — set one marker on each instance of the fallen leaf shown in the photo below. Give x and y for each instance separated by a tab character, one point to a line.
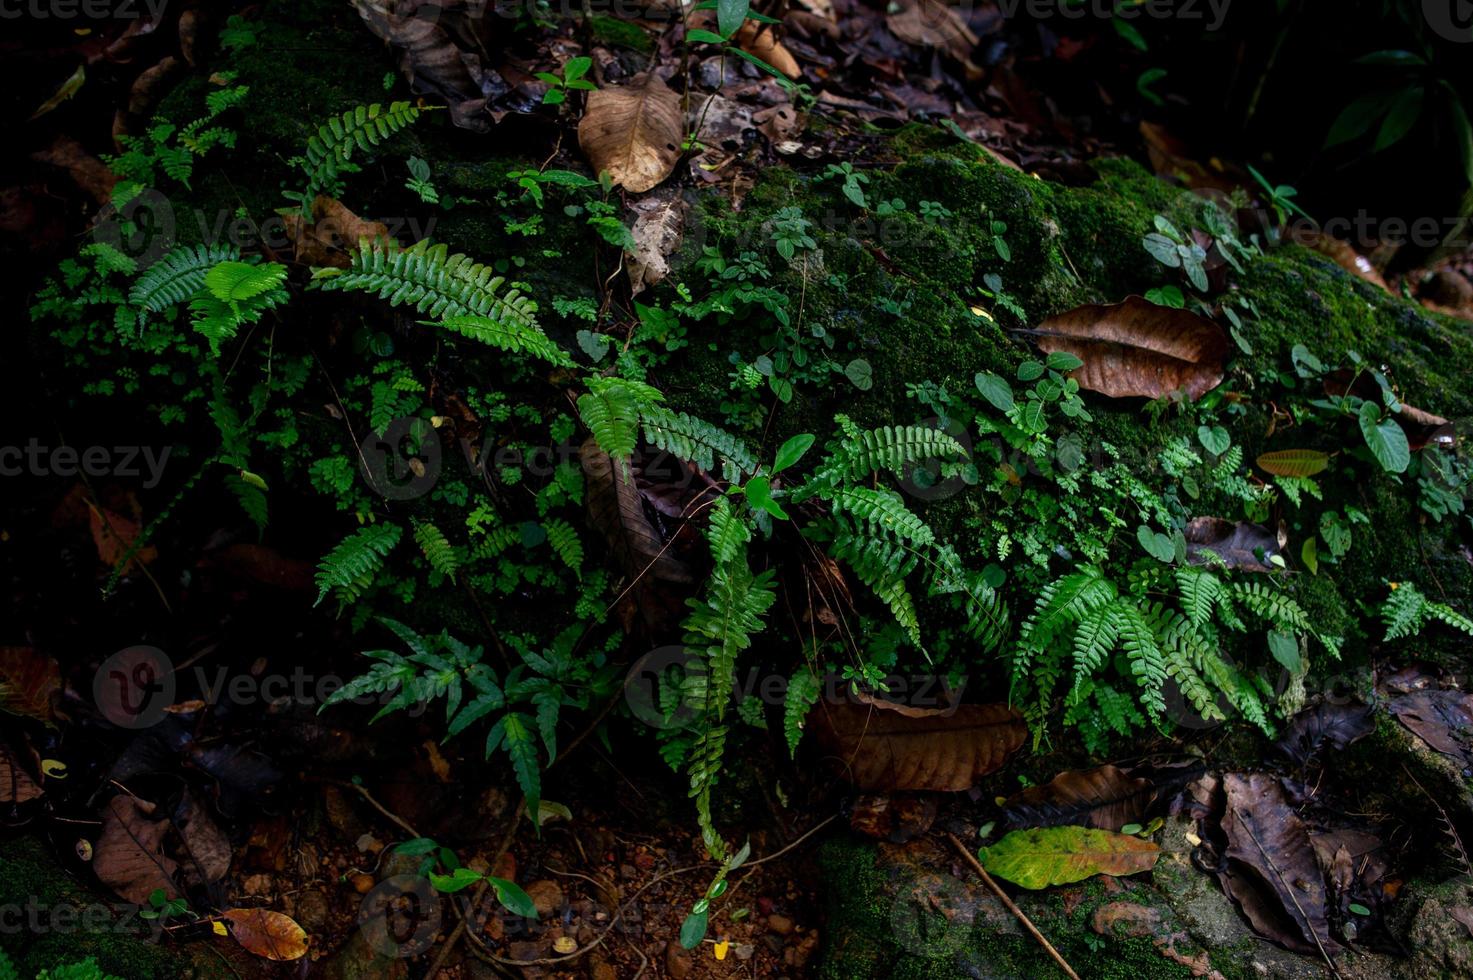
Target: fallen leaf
66	92
633	131
16	785
1271	870
761	40
932	23
1342	254
1042	856
29	680
1236	544
333	235
1105	798
115	536
1294	462
1136	349
129	855
898	818
1442	719
439	52
267	934
87	172
208	846
659	224
882	746
1464	915
1327	723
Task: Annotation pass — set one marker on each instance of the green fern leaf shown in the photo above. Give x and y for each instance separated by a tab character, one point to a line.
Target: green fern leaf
516	336
178	275
801	696
698	441
361	128
565	543
438	551
434	282
348	569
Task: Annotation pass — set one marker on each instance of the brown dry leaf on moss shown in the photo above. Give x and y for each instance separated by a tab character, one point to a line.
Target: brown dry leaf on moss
1236	544
659	224
268	934
115	535
129	856
882	746
633	131
1105	798
1343	255
932	23
1136	349
16	785
333	235
28	682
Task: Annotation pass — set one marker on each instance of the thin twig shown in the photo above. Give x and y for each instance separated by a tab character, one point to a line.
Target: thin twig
1008	902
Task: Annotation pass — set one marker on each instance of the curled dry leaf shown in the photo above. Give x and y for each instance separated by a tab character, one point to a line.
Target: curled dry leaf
633	131
439	52
1214	540
1105	798
129	856
1332	723
659	223
897	818
761	40
1343	255
333	235
16	785
882	746
29	680
1136	349
267	934
934	24
1271	870
1043	856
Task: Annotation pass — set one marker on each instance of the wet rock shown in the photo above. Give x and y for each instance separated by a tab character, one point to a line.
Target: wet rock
547	896
678	960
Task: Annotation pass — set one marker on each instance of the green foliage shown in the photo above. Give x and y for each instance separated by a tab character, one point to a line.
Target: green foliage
83	970
698	441
349	568
802	694
236	294
1406	611
178	276
438	551
571	79
168	150
329	152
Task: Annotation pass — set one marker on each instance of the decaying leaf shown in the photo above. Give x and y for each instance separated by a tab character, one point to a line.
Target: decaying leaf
440	48
209	848
1294	462
1105	798
333	235
1239	545
658	226
882	746
761	40
932	23
28	682
1043	856
1342	255
1136	349
633	131
1271	870
129	856
115	536
896	818
1442	719
267	934
16	785
1327	723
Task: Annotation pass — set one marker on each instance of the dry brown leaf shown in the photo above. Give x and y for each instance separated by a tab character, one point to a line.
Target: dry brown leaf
932	23
1136	349
1342	254
633	131
16	785
1236	544
659	224
129	856
882	746
897	818
267	934
1105	798
440	53
86	171
28	682
114	536
761	40
333	235
207	843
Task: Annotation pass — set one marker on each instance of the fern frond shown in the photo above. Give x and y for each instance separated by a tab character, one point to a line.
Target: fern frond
1094	639
348	569
438	551
520	336
1147	660
563	539
1062	602
890	447
1271	606
698	441
801	696
178	275
434	282
1201	591
361	128
1406	610
612	409
1186	653
521	748
882	512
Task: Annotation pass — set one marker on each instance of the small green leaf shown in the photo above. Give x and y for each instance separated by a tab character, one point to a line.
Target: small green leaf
1386	439
995	390
1285	649
1358	908
693	930
860	374
791	451
1309	553
706	37
511	896
1064	361
1214	439
1030	371
1131	828
758	492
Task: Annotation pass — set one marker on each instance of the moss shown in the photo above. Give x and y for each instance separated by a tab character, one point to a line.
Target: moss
73	926
615	31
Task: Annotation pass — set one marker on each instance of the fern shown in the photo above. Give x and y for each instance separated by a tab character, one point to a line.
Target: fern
891	447
1098	631
7	968
252	499
438	551
178	276
362	128
1147	660
612	409
520	335
236	293
437	283
1406	611
514	732
1271	606
698	441
563	539
801	696
348	569
1201	592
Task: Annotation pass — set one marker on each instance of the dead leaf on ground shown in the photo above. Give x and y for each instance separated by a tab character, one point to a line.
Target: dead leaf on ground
761	40
932	23
633	131
1327	723
1343	255
882	746
659	224
1271	869
268	934
86	171
439	52
1106	798
1136	349
1171	158
129	856
29	681
1464	915
115	536
1442	719
1237	544
208	846
897	818
332	237
16	785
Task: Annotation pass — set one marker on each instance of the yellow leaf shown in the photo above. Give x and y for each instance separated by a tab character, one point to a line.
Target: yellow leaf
219	928
721	948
